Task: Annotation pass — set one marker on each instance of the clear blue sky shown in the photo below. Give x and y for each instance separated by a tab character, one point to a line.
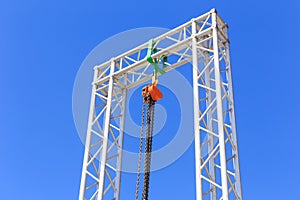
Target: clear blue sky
42	44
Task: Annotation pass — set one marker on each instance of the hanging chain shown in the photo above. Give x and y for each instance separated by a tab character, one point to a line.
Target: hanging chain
148	146
140	153
148	105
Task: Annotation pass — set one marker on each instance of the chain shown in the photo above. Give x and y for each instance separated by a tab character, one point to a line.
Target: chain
148	105
148	146
140	153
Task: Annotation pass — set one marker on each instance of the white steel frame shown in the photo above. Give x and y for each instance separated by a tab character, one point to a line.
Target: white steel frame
202	41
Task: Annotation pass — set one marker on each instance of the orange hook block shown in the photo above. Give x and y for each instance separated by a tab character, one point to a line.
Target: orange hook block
154	92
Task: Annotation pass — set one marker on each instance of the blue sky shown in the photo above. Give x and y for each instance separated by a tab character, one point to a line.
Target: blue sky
43	43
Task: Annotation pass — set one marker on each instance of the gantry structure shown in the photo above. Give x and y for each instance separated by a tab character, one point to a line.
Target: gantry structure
203	44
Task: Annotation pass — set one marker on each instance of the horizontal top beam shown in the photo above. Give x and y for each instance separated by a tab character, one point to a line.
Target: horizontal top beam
204	25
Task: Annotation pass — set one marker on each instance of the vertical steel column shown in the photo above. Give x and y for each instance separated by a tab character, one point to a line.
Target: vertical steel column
219	109
209	125
196	113
88	139
106	131
238	185
121	141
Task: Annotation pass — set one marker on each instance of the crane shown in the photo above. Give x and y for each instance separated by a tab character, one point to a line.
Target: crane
202	45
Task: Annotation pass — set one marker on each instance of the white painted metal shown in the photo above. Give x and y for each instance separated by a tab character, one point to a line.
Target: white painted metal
210	138
202	41
219	109
121	141
238	186
196	112
106	131
88	141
